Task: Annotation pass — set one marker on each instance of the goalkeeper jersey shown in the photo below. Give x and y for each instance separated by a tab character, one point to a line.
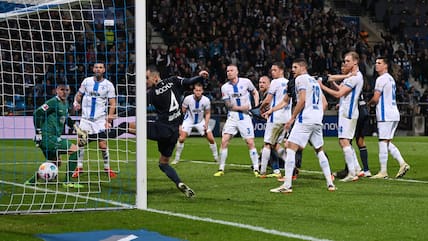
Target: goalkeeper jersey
51	117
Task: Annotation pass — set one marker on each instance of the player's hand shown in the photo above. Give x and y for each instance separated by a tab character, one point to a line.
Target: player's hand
267	113
287	125
81	134
38	137
110	118
204	74
76	106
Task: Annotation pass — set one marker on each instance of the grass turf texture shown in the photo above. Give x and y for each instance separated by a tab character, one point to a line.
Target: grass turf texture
364	210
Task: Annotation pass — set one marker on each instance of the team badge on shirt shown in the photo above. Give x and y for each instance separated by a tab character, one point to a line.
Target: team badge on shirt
45	107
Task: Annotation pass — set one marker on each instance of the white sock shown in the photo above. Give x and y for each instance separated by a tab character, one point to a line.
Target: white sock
265	159
383	156
213	148
255	159
356	163
396	153
349	158
282	153
290	163
106	158
223	156
325	167
81	154
178	150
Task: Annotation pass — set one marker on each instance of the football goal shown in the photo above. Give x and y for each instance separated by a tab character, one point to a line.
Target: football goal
45	42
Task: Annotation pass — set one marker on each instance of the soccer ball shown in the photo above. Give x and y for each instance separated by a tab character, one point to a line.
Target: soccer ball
47	171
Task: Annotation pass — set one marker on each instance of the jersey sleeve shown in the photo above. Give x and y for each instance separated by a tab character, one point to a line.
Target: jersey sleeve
111	92
380	83
251	87
41	113
208	103
185	103
82	88
224	95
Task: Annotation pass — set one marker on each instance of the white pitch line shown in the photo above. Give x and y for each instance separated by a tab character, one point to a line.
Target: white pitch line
308	171
240	225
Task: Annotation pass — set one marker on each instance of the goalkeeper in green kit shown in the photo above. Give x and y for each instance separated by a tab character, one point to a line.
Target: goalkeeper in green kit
49	123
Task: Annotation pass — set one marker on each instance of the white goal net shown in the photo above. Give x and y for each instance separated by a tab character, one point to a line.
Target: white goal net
43	43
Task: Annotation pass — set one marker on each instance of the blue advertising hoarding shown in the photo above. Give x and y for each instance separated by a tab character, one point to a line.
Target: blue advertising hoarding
329	126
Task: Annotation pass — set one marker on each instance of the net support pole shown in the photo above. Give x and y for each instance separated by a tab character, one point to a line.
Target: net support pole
141	118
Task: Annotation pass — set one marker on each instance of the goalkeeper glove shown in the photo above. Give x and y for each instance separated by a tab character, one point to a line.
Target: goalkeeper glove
83	135
38	137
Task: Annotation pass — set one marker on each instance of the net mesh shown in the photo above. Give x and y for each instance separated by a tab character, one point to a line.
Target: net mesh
46	42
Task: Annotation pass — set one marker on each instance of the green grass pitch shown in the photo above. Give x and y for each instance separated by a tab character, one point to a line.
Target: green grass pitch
364	210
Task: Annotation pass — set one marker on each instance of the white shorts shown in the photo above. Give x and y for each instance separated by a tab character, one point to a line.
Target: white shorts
386	129
93	127
301	133
346	127
245	127
274	133
188	125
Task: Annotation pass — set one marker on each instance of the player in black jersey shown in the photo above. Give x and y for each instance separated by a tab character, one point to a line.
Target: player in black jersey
165	95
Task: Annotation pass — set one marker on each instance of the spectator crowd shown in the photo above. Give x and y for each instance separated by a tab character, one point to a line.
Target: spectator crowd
253	34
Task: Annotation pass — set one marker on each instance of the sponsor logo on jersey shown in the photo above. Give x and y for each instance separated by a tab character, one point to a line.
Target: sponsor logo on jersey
94	93
163	89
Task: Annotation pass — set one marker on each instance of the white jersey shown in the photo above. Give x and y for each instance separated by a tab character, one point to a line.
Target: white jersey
348	105
195	109
238	94
386	108
278	89
312	112
95	97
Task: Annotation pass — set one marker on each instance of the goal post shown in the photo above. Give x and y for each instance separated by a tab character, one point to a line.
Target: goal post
140	22
44	42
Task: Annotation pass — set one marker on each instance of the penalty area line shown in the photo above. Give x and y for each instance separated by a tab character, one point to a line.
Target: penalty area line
239	225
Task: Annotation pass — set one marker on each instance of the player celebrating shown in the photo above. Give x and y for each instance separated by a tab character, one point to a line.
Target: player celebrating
164	95
198	113
97	99
308	114
49	122
387	116
236	95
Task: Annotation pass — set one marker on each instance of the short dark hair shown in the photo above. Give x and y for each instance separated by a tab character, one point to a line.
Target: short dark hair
384	59
280	65
61	83
300	61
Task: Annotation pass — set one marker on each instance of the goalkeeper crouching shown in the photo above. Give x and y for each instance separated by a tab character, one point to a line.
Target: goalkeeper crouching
49	122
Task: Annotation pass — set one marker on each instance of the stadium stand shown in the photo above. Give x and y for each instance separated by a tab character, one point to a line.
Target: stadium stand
253	34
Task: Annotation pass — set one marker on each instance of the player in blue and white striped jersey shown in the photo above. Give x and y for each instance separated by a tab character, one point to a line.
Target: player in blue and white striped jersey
388	117
197	109
307	117
348	92
236	95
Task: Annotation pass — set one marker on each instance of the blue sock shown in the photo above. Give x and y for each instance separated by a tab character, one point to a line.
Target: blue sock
364	157
275	159
299	154
170	172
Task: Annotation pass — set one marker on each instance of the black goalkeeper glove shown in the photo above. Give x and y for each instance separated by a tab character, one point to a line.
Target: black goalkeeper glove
38	137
